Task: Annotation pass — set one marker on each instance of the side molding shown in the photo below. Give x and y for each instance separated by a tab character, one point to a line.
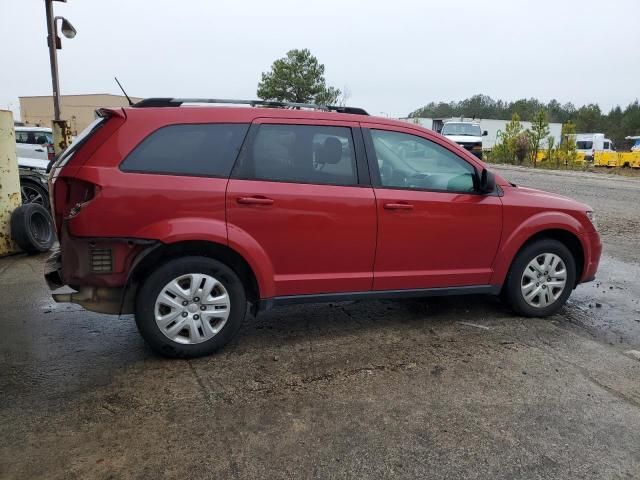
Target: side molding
268	303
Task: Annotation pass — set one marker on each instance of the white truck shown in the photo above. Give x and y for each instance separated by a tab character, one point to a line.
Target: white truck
492	126
33	142
466	134
589	143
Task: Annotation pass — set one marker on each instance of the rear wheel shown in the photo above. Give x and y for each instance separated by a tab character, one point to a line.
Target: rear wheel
540	279
190	307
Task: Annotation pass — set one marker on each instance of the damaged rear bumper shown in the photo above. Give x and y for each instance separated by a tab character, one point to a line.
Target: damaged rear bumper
110	300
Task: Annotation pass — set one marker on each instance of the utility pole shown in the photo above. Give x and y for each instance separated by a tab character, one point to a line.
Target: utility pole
60	129
52	42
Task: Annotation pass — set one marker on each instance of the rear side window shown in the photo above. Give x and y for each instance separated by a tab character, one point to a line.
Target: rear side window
193	149
300	154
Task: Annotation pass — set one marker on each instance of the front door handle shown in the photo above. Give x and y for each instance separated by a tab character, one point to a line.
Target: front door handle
255	201
398	206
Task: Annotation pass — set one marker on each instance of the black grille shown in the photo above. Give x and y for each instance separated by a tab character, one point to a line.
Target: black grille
466	145
101	261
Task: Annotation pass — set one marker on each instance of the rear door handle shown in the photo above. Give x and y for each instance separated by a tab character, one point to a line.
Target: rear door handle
398	206
255	201
39	150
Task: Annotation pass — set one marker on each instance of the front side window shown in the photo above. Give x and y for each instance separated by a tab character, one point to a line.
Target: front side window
300	154
409	161
192	149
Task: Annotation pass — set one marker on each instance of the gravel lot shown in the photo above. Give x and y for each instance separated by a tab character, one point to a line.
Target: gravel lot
437	388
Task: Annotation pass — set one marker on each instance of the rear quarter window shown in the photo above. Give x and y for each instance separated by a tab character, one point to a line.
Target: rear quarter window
193	149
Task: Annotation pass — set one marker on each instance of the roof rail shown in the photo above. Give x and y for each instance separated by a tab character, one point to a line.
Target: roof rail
176	102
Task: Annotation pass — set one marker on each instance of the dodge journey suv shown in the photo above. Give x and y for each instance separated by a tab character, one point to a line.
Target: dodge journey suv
187	214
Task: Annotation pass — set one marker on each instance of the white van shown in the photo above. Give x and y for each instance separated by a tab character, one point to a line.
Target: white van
589	143
466	134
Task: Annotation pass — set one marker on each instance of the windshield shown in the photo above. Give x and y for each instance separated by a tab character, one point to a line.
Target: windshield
467	129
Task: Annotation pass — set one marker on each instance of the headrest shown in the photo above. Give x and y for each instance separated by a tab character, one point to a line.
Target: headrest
330	152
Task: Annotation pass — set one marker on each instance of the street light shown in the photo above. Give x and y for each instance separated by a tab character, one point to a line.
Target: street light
67	29
54	43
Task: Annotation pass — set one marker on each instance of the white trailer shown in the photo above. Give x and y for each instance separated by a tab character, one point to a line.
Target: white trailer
492	126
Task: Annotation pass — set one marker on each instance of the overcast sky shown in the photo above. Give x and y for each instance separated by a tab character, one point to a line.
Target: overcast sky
394	56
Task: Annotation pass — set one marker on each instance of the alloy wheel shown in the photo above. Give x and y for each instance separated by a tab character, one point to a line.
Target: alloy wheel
31	195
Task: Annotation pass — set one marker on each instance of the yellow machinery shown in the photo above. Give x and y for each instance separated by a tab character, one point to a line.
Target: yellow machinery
629	159
617	159
605	158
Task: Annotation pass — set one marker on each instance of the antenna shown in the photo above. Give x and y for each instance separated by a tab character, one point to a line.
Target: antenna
125	93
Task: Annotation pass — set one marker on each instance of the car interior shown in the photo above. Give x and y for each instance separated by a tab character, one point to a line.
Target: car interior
424	168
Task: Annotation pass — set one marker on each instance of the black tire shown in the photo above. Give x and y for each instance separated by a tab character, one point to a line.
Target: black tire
32	228
153	286
512	289
32	192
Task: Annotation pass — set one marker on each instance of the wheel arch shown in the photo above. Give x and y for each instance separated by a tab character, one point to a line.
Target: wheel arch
161	253
568	239
571	239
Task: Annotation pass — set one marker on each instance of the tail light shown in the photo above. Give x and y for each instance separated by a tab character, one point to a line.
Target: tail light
70	195
51	153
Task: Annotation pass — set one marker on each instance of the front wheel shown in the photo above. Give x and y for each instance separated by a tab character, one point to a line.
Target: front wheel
190	307
540	279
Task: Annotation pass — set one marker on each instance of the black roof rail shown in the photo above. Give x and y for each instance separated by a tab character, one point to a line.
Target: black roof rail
176	102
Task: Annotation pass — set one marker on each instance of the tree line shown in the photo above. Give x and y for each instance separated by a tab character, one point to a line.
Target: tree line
299	77
616	124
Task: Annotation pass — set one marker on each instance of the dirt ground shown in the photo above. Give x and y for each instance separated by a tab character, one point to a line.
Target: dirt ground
436	388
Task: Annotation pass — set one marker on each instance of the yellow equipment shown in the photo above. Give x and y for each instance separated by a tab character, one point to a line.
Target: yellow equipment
629	159
605	159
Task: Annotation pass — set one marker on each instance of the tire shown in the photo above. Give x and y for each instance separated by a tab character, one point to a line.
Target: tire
32	228
31	192
192	331
523	279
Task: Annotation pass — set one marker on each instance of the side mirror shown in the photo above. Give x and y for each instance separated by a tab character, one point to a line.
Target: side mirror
485	133
486	182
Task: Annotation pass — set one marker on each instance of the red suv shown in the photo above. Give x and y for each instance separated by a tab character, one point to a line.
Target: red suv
183	215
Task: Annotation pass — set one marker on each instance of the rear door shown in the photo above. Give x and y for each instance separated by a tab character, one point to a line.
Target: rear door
300	190
434	230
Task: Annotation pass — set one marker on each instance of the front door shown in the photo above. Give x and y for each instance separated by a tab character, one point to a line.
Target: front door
434	229
297	193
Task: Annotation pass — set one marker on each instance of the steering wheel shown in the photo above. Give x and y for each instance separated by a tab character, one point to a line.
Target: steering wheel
317	165
416	179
